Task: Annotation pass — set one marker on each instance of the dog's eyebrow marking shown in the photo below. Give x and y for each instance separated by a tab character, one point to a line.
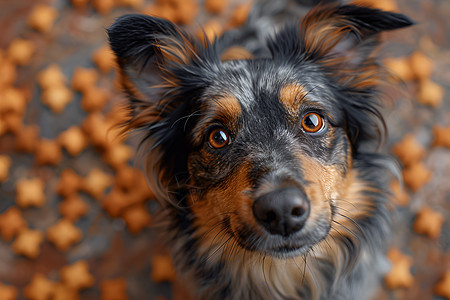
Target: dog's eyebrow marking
225	109
236	53
292	96
228	106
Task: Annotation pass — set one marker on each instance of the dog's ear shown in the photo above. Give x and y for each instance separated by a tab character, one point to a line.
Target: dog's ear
330	32
146	49
338	29
152	55
342	41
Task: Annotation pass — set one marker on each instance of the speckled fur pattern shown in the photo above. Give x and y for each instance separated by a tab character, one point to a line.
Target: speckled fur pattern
181	91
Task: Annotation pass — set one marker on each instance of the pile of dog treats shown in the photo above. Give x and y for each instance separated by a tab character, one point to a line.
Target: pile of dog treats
75	209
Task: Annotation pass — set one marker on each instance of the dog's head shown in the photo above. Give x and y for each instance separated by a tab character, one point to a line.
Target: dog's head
257	147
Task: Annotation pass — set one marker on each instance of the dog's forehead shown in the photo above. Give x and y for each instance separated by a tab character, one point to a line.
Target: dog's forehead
257	84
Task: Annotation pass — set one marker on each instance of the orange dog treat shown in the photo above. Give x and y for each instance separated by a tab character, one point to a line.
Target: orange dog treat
96	182
73	208
28	243
240	15
48	152
416	176
77	276
408	150
11	223
57	97
441	136
429	222
115	202
185	11
118	155
210	31
430	93
136	4
73	140
5	164
79	3
12	123
64	234
98	130
215	6
42	18
401	67
27	139
125	178
13	101
162	269
62	292
104	59
94	99
137	218
51	76
133	182
8	73
399	195
113	289
69	183
8	292
39	288
103	6
421	65
399	276
3	126
442	288
21	51
163	10
30	192
84	79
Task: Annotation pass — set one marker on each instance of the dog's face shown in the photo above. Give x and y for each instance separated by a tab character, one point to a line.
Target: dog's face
268	155
258	149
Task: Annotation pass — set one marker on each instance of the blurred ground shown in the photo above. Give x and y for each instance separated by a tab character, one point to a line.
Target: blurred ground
107	245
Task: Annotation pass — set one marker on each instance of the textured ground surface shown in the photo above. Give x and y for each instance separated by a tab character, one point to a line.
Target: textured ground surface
107	245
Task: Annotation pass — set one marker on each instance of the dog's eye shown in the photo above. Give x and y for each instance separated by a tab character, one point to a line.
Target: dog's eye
312	123
218	138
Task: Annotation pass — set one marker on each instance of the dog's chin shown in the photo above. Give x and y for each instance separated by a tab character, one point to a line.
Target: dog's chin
279	247
288	251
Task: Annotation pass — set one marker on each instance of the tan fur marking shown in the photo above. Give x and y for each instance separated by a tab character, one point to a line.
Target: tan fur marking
230	106
178	51
291	96
321	30
236	53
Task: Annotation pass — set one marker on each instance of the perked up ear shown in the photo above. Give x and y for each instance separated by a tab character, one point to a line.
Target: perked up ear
146	48
152	53
343	40
323	28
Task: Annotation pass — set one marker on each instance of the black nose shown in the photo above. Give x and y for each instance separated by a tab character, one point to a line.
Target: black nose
283	211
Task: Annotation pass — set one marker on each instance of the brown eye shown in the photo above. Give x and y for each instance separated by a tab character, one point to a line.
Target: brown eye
218	138
312	122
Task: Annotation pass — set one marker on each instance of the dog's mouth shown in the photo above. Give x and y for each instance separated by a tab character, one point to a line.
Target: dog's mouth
273	245
265	243
290	250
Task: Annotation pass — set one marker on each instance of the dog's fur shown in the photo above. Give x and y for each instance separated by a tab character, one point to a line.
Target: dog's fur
224	126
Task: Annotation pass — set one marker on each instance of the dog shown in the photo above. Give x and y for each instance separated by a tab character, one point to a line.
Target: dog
261	150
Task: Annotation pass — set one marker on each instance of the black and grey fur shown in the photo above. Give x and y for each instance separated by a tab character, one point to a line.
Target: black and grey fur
173	81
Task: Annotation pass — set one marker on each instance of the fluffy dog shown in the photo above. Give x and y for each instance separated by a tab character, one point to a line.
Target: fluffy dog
256	147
